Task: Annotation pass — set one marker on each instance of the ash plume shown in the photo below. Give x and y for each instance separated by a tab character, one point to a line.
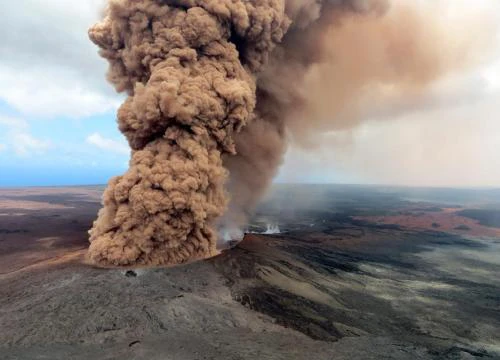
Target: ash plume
217	89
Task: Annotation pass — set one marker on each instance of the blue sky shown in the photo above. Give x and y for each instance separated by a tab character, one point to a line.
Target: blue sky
59	150
57	115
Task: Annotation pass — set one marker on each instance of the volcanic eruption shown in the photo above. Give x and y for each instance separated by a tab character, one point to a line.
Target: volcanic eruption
216	91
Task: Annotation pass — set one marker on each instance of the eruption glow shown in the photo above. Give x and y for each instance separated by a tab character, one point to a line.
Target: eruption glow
217	88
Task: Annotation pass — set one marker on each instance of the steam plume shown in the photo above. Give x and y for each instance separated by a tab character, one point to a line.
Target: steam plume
216	90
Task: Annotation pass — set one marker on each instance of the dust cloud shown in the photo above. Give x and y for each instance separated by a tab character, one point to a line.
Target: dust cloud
218	89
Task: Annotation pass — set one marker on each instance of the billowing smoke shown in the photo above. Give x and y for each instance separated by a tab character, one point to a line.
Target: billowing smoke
216	91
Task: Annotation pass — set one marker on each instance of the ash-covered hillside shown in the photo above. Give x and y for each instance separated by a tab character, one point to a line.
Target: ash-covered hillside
339	281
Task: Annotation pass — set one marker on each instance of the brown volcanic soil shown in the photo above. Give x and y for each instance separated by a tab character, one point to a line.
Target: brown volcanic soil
447	219
40	224
332	287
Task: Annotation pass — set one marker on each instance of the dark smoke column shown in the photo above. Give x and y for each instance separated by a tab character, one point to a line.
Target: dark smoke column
188	68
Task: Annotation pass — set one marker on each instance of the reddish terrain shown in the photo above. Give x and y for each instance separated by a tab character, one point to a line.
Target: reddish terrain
356	273
447	220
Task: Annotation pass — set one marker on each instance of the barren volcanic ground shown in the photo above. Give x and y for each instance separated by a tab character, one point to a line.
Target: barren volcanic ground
355	273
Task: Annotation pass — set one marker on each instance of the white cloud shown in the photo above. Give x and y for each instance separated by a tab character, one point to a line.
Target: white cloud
103	143
491	74
16	135
25	144
13	123
48	66
51	92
